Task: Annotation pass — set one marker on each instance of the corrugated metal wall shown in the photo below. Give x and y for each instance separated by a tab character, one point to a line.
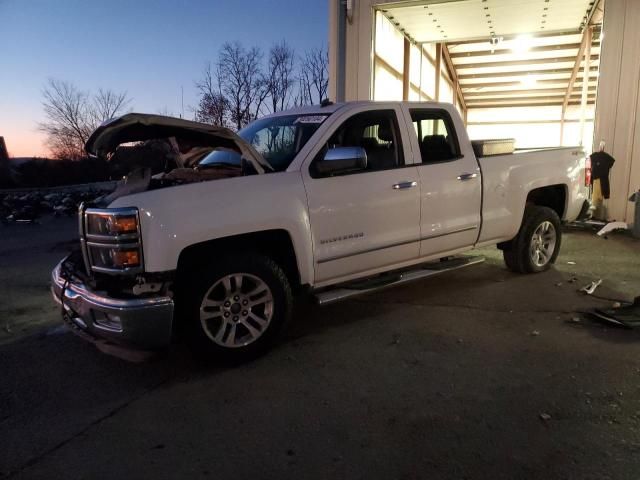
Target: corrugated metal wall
618	102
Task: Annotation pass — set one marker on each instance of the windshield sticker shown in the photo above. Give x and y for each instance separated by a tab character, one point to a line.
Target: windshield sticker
311	119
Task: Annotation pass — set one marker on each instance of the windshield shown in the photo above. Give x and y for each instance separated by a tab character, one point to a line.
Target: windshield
277	139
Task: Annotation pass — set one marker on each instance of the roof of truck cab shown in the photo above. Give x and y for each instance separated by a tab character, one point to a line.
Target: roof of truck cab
333	107
309	110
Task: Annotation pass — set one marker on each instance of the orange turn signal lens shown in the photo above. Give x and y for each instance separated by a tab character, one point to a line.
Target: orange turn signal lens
125	258
121	224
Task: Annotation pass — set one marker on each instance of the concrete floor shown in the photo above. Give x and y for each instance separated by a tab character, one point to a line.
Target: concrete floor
452	377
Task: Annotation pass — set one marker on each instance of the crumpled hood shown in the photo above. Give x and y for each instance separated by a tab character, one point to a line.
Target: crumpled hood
134	127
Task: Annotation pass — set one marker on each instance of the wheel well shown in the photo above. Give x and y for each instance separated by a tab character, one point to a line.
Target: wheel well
275	244
553	196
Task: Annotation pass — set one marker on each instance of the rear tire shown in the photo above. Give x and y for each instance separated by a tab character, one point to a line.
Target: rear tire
537	244
237	306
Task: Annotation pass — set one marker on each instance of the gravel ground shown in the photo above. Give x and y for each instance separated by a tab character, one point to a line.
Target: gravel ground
28	253
479	373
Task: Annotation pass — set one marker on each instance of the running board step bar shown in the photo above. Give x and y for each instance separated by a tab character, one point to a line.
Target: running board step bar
362	287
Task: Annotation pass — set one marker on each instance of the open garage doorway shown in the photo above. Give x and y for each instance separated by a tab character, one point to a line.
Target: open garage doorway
522	69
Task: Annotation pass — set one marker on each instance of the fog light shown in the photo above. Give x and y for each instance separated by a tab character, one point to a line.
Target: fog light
108	321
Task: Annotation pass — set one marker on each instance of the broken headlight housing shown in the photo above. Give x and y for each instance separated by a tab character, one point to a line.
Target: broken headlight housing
111	240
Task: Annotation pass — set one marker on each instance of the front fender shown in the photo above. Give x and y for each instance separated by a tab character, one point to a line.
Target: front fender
177	217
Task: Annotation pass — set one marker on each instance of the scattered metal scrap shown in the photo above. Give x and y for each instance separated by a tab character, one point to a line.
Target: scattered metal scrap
611	226
625	316
589	289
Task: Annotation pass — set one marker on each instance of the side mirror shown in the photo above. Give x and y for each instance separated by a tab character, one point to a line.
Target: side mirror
341	160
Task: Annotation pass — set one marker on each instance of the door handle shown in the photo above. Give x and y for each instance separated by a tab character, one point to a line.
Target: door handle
467	176
402	185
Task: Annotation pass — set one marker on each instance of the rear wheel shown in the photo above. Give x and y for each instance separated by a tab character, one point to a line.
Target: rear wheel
537	244
237	306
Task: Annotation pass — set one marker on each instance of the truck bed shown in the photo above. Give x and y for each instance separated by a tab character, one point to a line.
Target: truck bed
507	178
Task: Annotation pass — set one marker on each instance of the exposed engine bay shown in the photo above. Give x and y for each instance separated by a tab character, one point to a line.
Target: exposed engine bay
162	151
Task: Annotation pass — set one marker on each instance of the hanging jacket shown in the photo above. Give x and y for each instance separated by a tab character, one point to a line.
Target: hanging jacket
601	163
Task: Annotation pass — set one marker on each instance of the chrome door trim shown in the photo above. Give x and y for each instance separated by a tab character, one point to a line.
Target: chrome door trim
460	230
369	250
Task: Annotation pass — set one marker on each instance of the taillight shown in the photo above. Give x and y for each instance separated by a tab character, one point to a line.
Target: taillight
587	171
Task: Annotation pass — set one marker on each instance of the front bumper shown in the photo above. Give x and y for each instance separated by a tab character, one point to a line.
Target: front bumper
144	323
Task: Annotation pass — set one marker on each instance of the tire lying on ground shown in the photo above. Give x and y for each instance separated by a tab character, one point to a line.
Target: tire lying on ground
536	246
237	306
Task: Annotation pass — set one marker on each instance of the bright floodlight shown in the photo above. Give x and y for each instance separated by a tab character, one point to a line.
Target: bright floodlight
529	81
521	44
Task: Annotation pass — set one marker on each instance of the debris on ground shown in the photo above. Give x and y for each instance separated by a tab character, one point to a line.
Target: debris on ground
395	339
575	320
626	316
545	416
589	289
24	208
611	226
573	280
571	262
535	333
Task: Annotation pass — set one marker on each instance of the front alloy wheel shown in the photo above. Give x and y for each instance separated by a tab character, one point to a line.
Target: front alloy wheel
236	305
236	310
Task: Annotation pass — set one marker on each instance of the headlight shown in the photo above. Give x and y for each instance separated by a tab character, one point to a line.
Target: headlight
110	224
112	241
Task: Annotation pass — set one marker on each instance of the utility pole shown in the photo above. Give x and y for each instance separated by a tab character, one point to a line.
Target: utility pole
181	101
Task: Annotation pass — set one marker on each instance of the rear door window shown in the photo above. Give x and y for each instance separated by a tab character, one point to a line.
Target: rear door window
436	135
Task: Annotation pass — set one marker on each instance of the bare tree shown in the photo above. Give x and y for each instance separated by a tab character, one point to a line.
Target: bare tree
241	82
72	114
313	77
66	124
213	107
279	79
107	104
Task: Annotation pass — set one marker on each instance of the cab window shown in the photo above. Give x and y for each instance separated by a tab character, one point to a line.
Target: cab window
377	133
436	136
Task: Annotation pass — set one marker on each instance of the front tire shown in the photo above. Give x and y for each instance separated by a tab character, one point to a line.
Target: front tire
537	244
237	306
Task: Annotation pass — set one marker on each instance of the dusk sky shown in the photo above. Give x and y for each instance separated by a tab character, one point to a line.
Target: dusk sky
148	48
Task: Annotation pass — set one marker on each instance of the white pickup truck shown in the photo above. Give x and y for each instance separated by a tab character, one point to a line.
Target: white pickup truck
334	200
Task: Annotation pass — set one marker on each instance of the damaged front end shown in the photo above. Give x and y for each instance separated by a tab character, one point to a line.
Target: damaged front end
144	322
102	288
154	151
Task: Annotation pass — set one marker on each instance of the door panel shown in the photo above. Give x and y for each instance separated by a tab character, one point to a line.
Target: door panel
450	208
361	222
368	219
450	182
